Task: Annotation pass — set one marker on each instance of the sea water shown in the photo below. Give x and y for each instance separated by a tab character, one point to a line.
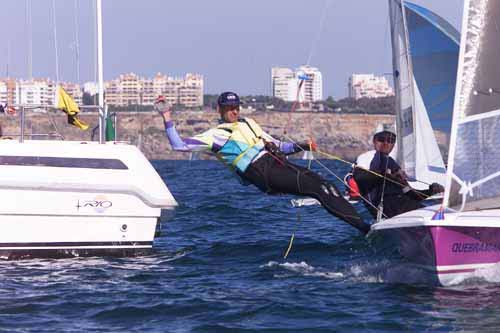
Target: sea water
218	266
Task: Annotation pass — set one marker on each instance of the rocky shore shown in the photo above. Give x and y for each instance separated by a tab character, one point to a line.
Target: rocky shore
344	135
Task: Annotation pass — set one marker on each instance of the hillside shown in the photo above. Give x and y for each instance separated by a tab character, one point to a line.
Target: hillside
345	135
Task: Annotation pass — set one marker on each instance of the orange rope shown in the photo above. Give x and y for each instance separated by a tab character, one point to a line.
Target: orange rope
294	106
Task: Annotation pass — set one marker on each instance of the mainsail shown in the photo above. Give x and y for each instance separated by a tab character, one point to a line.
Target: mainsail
425	56
474	159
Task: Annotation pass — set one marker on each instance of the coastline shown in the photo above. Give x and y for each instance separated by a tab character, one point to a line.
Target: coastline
341	134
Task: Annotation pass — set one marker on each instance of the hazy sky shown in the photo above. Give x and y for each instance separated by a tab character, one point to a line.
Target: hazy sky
233	43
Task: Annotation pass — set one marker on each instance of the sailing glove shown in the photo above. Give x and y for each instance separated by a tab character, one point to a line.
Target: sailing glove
435	188
161	105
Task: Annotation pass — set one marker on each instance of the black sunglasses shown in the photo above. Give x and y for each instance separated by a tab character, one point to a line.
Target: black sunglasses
225	109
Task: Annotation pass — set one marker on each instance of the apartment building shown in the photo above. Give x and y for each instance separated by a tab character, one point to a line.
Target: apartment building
313	84
285	84
368	85
129	89
8	91
36	92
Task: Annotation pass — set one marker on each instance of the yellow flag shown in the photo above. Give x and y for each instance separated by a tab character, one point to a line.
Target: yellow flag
68	105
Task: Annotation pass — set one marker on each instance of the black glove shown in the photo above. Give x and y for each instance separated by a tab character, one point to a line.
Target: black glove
435	188
301	146
273	149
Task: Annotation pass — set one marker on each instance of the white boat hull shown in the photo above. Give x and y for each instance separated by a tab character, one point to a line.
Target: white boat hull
62	236
63	199
453	249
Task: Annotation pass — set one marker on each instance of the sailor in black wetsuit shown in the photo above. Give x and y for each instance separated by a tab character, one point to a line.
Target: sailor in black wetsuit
398	196
259	159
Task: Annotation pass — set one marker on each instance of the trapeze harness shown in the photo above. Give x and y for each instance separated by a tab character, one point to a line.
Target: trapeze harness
244	145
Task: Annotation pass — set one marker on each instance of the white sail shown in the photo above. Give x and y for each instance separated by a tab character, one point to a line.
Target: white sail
473	179
429	166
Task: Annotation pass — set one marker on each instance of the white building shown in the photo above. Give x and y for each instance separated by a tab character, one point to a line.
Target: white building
369	85
90	88
130	89
36	92
284	83
312	88
8	91
43	91
3	92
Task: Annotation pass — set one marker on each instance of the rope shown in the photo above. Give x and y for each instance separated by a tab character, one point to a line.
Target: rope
290	244
294	106
355	166
372	172
342	180
381	204
336	176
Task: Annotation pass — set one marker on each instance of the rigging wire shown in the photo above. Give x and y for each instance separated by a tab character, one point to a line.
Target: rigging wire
94	47
30	39
315	42
55	39
8	60
303	78
358	167
77	41
380	211
297	102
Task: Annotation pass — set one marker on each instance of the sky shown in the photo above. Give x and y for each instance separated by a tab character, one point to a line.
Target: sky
232	43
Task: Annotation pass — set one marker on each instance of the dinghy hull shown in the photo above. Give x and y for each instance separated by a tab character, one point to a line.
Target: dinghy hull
452	249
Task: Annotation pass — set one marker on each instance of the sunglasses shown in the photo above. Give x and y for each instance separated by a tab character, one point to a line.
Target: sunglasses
387	139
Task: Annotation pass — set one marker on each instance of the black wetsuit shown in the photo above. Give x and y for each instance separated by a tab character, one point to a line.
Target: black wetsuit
396	200
274	174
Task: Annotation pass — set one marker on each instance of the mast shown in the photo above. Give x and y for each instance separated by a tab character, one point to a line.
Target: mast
100	73
403	84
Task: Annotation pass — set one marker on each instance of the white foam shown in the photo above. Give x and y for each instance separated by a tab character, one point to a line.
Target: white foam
385	271
302	268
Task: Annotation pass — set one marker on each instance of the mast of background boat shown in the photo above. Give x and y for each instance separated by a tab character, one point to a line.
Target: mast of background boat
402	71
100	73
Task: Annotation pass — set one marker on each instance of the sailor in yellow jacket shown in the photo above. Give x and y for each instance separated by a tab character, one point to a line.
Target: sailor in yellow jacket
259	159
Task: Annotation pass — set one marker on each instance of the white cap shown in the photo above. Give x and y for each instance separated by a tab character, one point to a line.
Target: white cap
384	128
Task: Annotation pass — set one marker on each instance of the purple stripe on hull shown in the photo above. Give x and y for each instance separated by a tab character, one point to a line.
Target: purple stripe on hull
466	245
